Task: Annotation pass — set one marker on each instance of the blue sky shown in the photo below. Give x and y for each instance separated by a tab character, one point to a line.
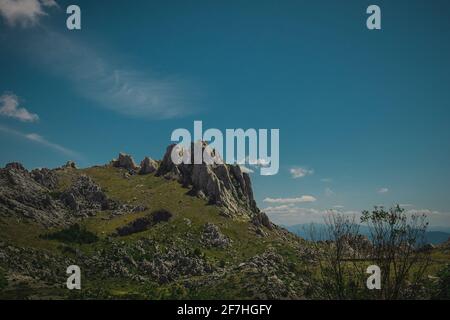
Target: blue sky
363	115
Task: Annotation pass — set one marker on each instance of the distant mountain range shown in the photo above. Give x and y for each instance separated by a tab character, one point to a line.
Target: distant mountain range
434	235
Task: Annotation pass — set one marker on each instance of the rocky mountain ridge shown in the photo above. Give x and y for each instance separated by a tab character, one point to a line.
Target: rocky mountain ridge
32	194
157	229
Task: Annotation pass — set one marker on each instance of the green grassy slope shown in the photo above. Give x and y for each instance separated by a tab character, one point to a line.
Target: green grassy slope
168	260
226	279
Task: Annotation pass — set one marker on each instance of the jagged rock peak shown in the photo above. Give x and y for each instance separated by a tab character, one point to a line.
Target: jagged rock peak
70	165
221	184
148	165
124	161
16	166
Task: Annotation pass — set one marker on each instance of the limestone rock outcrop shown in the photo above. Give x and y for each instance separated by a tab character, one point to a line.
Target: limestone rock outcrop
261	219
85	197
125	161
45	177
148	165
34	196
70	165
213	238
27	195
221	184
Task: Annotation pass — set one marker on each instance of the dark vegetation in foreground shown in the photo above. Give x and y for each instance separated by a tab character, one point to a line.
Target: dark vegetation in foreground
73	234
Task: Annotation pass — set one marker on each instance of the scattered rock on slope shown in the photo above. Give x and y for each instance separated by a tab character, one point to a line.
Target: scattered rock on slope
85	197
212	237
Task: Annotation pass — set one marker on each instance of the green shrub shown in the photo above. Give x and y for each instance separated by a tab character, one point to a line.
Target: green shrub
198	252
443	285
3	280
73	234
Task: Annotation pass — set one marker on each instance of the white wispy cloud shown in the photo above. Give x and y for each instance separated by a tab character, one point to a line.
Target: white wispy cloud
293	210
300	172
326	180
289	214
34	137
24	13
101	77
304	198
110	82
383	190
9	107
434	217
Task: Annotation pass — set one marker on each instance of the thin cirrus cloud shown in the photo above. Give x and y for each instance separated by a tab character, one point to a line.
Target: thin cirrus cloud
24	13
36	138
383	190
289	214
300	172
9	107
122	89
115	86
301	199
290	209
434	217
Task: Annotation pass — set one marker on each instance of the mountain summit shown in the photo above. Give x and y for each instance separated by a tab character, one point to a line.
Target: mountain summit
155	230
221	184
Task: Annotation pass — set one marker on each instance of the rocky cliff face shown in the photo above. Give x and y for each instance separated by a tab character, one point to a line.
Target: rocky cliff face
139	227
28	195
221	184
33	195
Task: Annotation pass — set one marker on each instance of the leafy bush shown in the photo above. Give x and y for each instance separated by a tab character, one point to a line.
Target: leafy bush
198	252
73	234
393	245
161	216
